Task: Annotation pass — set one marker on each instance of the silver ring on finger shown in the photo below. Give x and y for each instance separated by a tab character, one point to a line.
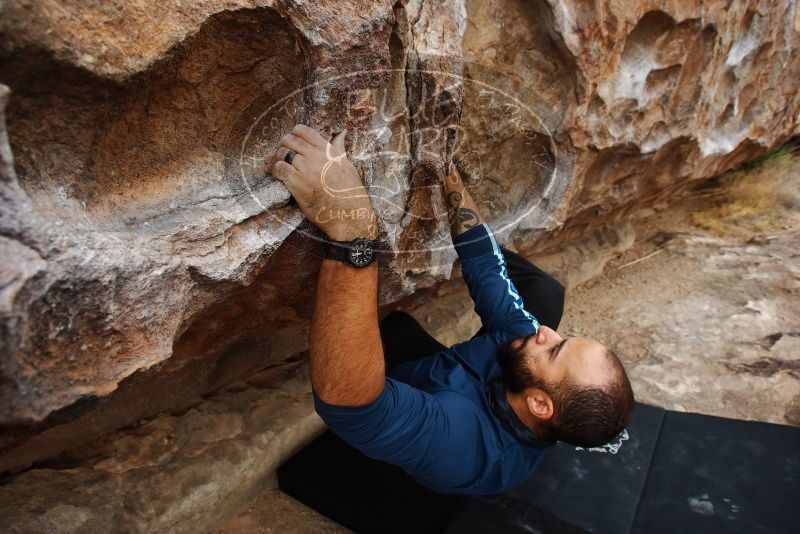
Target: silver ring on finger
289	156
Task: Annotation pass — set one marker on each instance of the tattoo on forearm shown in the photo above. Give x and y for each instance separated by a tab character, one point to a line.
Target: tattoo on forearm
467	218
457	214
454	199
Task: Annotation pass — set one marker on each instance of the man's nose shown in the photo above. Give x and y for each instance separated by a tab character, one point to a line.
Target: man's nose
545	335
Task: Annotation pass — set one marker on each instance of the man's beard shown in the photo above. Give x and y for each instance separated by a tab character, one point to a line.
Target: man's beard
515	362
524	362
519	362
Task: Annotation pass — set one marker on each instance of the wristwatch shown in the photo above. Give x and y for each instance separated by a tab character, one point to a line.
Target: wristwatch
359	252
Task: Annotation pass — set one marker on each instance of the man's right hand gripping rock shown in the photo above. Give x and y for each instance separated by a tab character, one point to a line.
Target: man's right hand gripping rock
324	183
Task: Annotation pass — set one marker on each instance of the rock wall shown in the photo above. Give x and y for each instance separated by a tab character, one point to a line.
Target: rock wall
147	260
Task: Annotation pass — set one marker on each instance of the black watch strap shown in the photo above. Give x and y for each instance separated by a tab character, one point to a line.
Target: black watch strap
359	252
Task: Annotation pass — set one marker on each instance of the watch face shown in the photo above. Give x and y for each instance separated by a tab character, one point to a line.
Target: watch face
361	252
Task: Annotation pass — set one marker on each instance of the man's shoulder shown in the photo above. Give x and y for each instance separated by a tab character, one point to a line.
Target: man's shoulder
465	365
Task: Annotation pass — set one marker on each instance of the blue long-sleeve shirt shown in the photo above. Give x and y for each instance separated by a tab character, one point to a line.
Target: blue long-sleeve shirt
433	417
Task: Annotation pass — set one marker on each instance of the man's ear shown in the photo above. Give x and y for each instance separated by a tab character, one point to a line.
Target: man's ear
539	403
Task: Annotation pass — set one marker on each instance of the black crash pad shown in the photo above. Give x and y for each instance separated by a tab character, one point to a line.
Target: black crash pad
711	474
581	485
364	495
671	472
502	513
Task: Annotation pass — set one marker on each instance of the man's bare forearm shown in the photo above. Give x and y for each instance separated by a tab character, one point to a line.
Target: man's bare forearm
462	212
346	354
346	357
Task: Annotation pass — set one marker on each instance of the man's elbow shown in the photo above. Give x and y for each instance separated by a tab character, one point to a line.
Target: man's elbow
356	394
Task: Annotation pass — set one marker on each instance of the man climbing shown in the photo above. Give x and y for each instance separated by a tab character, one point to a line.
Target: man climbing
471	419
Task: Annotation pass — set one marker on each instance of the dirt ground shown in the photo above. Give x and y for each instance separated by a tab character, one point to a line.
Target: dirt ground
703	308
274	512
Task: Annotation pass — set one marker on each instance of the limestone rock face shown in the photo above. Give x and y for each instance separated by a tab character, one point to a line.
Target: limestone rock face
145	257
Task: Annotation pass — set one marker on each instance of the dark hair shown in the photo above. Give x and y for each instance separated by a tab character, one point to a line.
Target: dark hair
585	416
